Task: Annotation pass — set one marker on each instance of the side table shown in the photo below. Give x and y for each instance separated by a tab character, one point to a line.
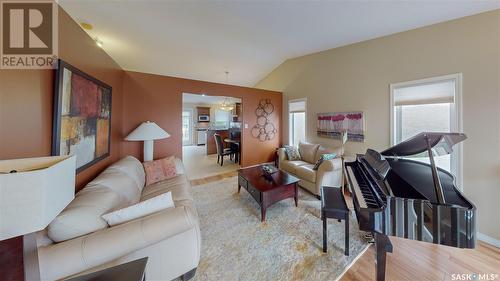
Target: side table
130	271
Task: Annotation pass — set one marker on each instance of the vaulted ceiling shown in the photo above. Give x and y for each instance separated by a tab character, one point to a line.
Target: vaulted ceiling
203	39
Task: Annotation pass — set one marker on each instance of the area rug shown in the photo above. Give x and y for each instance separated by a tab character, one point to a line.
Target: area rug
288	246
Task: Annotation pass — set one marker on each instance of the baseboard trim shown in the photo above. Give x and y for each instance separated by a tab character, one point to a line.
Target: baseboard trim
489	240
353	262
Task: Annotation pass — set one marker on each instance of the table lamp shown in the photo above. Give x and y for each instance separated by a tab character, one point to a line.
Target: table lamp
33	191
147	132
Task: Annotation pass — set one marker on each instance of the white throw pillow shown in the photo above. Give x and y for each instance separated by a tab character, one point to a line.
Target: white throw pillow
141	209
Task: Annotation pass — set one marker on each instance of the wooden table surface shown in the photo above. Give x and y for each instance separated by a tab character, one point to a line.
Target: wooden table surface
254	176
235	141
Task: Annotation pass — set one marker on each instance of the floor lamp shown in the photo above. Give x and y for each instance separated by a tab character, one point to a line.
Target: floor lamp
343	139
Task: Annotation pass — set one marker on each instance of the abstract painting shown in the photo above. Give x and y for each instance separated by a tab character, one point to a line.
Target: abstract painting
331	125
82	116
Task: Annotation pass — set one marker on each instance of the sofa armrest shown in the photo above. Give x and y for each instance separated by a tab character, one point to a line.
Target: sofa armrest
329	173
331	165
85	252
281	156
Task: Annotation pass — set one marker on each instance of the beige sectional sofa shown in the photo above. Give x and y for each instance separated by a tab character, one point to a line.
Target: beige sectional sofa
80	241
329	172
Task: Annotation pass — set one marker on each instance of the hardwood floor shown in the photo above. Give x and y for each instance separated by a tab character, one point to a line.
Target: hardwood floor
214	178
415	260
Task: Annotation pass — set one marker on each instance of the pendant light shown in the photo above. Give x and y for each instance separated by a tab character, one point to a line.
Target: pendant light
226	105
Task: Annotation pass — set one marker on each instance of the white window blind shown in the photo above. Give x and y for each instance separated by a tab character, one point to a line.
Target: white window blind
297	106
432	93
297	121
429	105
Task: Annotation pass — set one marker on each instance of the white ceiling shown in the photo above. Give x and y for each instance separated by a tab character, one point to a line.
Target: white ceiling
200	99
203	39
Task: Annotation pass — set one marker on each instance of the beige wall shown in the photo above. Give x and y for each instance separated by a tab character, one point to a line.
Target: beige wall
357	77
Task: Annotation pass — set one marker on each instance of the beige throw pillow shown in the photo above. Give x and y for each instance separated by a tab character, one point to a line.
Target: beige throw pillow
308	151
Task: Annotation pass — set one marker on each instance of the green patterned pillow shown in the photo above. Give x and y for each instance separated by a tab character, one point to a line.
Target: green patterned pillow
292	153
324	157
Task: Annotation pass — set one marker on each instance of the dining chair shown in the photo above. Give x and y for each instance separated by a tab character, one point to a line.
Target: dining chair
235	146
221	151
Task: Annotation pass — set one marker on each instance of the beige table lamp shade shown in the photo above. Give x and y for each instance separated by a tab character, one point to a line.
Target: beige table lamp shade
148	132
33	195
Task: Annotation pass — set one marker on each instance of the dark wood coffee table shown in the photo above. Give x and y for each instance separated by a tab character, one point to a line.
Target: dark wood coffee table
267	191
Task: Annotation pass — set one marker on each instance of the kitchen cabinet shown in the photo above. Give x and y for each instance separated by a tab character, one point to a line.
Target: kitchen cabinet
203	114
203	110
237	112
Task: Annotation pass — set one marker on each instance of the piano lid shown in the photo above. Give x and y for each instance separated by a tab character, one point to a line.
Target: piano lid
441	142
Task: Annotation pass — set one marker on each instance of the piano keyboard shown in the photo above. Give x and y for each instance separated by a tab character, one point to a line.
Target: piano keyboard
361	189
355	187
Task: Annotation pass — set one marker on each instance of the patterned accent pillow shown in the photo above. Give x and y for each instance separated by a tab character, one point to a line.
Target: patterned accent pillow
158	170
324	157
292	153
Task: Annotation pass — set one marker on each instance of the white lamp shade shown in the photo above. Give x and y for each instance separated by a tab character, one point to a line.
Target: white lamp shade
147	131
34	195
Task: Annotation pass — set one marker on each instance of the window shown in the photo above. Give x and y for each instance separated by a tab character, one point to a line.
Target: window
431	105
186	127
222	118
297	121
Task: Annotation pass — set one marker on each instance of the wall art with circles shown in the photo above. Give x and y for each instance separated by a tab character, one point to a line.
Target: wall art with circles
264	130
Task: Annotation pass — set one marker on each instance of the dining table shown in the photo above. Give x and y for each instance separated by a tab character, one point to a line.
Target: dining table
235	143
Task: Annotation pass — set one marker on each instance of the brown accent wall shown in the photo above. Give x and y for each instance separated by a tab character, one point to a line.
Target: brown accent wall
159	98
26	98
26	108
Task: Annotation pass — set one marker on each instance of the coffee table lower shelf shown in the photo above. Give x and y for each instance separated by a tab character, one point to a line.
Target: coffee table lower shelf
268	196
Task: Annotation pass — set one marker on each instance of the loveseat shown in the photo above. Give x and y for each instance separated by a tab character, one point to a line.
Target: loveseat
80	241
329	173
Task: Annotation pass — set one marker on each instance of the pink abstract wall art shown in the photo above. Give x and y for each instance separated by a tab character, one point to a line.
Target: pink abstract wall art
330	125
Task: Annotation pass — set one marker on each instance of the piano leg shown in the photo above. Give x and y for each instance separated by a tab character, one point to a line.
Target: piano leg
346	234
325	240
382	246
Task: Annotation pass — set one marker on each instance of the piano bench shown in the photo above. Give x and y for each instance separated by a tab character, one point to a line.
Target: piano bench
333	206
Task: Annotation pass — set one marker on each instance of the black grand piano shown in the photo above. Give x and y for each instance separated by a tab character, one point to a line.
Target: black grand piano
394	196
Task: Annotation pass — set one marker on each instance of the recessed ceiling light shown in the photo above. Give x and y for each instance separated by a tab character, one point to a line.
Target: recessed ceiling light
98	42
86	25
